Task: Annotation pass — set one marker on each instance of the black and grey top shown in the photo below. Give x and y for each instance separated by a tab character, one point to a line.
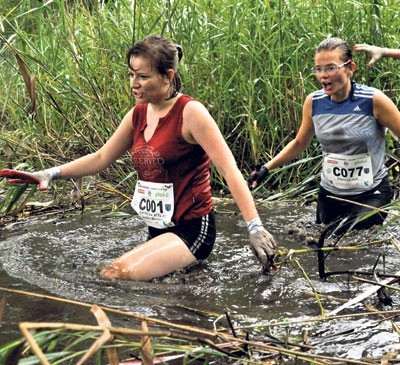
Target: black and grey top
352	141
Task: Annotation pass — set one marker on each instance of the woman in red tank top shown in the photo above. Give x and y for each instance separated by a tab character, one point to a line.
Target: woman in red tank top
172	139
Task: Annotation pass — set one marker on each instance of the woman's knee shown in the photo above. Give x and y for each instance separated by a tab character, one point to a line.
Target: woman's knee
114	271
160	256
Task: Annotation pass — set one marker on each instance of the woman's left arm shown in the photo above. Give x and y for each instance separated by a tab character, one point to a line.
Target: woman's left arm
200	128
386	112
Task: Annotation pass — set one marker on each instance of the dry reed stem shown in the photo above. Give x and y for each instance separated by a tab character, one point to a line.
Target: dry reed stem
145	345
383	285
111	189
365	206
316	319
190	329
104	338
24	327
316	359
2	306
354	247
371	308
103	320
198	331
29	82
364	295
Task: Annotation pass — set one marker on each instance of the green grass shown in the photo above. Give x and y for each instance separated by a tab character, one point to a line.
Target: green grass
249	62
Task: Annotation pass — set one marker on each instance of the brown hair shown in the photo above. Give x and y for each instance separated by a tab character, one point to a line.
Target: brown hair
330	44
163	54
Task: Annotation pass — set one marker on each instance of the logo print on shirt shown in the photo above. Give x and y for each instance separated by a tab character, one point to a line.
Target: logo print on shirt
147	162
357	109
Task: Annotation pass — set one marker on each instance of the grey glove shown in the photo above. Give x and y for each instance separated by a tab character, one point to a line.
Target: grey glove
375	52
264	247
42	178
262	243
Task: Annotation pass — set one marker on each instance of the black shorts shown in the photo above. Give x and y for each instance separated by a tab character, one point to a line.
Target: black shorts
329	210
198	234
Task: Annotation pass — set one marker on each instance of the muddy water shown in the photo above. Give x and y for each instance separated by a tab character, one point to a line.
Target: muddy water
61	256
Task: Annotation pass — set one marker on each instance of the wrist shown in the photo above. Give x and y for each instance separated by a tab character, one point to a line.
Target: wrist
385	52
254	225
54	172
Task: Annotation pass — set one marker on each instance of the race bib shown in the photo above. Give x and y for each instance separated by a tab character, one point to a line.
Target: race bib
346	172
154	202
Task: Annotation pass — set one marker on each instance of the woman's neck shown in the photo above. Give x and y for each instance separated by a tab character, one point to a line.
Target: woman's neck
163	104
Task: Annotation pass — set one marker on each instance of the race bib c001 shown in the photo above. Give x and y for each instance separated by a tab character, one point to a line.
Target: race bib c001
154	202
346	172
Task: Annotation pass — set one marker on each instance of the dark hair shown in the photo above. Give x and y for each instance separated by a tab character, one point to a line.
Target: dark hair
163	54
330	44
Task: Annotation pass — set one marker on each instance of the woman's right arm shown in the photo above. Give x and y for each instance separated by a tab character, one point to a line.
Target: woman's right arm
90	164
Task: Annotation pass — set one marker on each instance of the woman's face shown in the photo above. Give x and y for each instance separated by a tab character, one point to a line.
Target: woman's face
336	84
147	84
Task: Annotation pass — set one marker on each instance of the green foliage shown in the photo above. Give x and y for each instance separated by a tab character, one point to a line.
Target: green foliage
61	348
248	62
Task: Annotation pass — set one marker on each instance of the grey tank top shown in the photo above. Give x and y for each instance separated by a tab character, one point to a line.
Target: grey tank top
349	128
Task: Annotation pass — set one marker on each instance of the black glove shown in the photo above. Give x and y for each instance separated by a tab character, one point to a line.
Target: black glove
258	175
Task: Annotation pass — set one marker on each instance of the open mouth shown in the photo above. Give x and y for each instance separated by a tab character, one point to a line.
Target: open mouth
327	86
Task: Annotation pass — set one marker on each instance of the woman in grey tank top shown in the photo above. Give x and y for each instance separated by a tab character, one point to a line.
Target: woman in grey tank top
349	121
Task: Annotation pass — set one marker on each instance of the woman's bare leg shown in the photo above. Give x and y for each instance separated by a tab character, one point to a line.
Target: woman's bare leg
159	256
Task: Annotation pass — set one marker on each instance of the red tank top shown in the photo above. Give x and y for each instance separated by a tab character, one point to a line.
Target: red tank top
168	158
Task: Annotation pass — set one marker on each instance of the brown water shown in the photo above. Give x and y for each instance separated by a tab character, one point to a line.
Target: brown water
60	257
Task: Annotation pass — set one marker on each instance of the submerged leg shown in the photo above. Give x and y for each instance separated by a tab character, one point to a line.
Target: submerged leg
159	256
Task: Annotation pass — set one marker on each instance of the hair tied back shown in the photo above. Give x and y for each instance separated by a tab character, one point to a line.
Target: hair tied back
180	52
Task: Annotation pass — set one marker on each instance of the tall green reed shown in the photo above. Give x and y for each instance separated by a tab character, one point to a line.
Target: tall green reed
248	61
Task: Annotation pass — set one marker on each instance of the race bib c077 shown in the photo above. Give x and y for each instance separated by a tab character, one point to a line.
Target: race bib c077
154	202
345	172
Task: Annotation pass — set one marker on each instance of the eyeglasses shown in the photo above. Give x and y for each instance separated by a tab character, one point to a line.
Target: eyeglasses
330	69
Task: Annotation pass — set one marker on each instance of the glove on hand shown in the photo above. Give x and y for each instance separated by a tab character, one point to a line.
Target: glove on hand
375	52
43	178
262	243
264	247
258	176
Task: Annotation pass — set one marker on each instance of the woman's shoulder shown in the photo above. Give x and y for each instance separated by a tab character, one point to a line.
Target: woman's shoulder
195	111
364	93
191	103
364	89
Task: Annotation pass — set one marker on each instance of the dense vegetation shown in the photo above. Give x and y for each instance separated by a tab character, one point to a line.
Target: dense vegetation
65	86
64	82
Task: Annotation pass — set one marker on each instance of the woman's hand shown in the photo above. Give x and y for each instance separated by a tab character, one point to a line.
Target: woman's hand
264	247
42	178
375	52
257	176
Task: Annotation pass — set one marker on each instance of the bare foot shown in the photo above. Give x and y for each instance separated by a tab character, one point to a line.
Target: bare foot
111	272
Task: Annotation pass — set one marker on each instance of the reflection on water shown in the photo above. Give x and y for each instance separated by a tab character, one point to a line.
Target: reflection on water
61	257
